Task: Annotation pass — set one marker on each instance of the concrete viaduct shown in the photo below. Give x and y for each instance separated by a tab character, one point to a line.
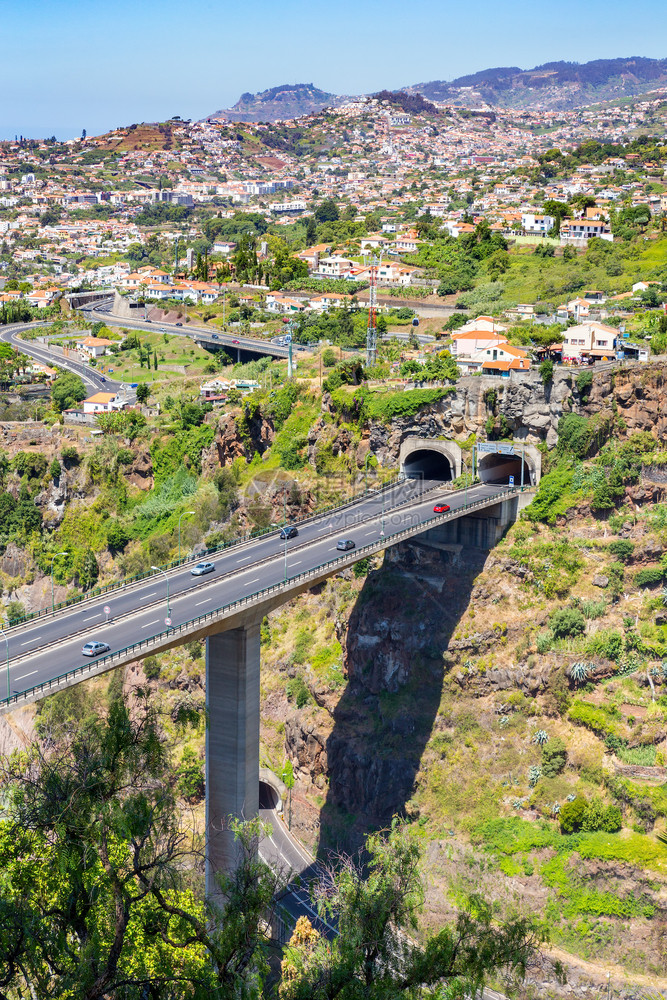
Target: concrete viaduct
252	578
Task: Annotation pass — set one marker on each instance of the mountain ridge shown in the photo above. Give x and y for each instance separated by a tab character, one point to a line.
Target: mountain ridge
558	86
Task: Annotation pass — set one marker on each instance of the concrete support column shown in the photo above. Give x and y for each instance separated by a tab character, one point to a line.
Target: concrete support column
232	742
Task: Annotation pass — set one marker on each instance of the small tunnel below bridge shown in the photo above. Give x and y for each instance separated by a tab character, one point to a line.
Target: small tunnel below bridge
424	463
497	469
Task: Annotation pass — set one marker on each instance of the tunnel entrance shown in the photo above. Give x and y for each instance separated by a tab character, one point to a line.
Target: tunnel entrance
268	796
497	469
424	463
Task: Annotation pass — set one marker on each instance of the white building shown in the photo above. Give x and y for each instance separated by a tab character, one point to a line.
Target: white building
589	341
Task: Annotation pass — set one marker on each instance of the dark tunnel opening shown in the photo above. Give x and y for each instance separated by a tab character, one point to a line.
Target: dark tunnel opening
497	469
427	464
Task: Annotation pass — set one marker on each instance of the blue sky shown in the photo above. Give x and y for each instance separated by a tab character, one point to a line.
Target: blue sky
73	64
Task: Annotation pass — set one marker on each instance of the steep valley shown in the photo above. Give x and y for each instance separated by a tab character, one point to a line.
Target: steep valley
510	702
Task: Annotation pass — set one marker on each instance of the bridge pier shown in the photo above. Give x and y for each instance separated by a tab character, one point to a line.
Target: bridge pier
232	742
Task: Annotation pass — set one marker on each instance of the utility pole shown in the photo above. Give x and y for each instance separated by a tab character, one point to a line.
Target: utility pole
371	329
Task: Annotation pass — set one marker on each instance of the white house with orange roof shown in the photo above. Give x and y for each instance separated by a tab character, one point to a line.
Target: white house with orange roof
500	354
93	347
103	402
470	343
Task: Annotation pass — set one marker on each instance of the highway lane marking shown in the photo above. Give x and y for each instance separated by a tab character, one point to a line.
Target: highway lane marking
31	640
148	624
297	563
92	616
208	599
250	582
23	676
148	595
370	533
244	559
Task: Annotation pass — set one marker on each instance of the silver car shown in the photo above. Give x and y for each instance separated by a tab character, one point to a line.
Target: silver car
202	568
95	648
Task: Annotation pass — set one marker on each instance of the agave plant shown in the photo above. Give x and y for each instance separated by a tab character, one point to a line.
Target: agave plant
540	737
534	775
579	672
664	595
517	804
570	798
555	809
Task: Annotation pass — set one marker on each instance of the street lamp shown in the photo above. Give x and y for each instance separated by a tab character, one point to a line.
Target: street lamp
7	648
285	557
465	466
53	603
158	570
179	531
382	528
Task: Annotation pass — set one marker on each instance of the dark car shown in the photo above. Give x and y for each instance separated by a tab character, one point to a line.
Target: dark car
202	568
344	544
441	508
214	336
95	648
289	531
179	324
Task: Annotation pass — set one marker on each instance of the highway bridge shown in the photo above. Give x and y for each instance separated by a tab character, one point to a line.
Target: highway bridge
251	578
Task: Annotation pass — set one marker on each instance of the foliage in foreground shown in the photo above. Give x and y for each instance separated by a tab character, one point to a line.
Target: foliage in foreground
101	891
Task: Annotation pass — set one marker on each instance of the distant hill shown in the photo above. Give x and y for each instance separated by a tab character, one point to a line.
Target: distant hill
279	103
559	86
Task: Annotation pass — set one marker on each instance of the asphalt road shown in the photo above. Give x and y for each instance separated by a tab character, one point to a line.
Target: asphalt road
282	852
92	379
233	340
44	648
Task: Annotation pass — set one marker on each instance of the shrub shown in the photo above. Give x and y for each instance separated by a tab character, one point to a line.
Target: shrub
329	357
593	718
571	816
362	567
297	691
117	535
584	384
623	549
567	622
152	668
70	455
650	576
55	469
190	776
575	434
554	757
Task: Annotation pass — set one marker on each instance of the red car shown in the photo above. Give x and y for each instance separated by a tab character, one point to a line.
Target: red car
441	508
236	341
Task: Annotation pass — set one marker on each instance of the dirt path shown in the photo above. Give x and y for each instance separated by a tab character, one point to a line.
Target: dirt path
599	972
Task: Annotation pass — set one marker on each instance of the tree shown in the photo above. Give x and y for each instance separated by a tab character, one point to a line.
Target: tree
55	469
97	874
373	955
67	390
327	211
143	392
547	372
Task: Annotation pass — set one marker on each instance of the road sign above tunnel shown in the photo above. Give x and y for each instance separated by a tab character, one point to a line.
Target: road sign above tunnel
495	448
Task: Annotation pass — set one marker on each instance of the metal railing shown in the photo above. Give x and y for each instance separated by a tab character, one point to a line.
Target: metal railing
137	578
144	646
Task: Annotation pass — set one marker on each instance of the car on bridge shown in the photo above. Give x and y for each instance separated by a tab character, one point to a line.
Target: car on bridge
202	568
344	544
441	508
95	648
289	531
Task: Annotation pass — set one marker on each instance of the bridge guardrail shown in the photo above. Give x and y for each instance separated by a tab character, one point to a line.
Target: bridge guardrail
138	578
145	645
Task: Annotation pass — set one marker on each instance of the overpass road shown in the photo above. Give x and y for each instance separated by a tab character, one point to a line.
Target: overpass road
92	379
213	338
46	647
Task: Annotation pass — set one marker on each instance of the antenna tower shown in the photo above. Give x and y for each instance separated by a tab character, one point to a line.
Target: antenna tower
372	328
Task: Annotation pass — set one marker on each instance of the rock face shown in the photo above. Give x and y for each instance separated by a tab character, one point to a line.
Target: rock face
639	396
396	636
231	443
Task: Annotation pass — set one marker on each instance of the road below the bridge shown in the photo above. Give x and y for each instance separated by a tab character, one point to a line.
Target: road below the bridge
47	646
